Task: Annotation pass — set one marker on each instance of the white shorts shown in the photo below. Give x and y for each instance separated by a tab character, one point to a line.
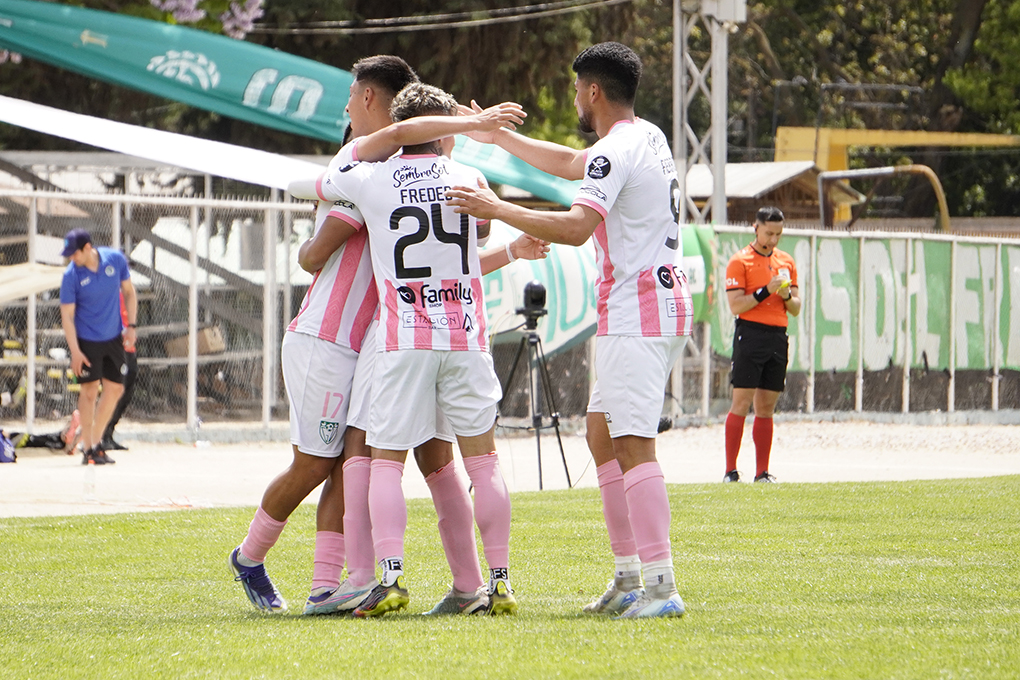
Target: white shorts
318	376
411	384
630	381
361	393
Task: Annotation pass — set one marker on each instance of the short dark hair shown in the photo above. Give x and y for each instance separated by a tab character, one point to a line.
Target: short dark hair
769	213
419	99
386	71
615	67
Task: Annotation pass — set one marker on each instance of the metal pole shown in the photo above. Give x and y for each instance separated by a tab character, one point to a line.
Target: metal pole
720	88
269	323
192	413
676	381
951	393
115	225
810	325
908	355
706	369
995	327
859	388
31	327
288	232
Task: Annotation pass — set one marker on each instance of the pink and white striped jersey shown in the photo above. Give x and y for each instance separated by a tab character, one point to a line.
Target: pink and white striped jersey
425	256
342	299
631	181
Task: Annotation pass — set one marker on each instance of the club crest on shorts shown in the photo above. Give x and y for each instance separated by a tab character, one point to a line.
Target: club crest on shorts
328	430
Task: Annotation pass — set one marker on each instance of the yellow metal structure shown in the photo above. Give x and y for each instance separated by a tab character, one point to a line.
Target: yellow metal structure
828	147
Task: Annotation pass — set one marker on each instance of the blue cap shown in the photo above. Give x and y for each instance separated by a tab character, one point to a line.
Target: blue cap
74	241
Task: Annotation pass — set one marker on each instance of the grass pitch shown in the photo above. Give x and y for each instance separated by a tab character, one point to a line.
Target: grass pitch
862	580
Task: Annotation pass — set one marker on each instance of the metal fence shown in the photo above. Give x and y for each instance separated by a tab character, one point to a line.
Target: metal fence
217	280
891	321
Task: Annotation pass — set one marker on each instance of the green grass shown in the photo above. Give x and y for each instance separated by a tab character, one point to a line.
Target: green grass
875	580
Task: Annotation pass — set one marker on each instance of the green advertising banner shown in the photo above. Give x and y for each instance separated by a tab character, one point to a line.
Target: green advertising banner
881	301
232	77
208	71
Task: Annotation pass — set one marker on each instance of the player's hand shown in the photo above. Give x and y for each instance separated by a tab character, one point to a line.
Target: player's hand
480	201
78	359
130	337
506	115
527	247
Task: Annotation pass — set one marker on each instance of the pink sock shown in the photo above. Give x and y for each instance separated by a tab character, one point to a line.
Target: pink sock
329	559
357	525
614	509
456	527
492	508
263	533
387	508
649	510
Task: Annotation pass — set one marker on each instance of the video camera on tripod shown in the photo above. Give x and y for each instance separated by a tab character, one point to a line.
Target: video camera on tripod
541	404
534	304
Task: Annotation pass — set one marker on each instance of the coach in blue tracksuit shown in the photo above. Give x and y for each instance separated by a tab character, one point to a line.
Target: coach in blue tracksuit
90	314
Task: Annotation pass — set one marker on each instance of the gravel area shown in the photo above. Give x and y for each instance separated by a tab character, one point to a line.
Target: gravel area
159	473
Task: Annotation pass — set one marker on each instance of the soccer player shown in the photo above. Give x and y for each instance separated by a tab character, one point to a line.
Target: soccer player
433	351
90	315
627	201
319	356
761	287
435	456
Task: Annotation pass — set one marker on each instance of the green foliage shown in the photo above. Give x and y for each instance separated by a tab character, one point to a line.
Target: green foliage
853	580
922	44
990	83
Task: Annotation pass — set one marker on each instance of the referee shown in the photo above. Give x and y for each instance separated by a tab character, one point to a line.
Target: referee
761	286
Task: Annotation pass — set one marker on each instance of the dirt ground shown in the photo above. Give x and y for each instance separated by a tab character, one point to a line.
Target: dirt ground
165	475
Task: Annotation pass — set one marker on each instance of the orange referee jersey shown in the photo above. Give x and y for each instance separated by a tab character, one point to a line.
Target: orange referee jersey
749	270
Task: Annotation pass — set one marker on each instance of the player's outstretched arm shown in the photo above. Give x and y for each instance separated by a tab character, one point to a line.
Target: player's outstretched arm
314	252
524	247
556	159
572	227
382	144
304	188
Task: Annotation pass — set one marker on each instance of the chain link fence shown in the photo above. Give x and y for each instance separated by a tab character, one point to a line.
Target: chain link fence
892	322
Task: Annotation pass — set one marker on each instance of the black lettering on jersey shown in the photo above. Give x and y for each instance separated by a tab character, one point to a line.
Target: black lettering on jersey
665	276
599	167
595	193
406	294
656	140
348	167
345	204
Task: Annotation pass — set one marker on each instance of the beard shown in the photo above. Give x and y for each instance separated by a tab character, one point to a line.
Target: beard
584	122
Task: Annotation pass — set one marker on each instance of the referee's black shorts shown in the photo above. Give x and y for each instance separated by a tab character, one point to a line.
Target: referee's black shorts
760	355
108	360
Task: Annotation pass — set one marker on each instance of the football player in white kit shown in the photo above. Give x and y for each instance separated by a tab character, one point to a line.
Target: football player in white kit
319	355
433	349
627	202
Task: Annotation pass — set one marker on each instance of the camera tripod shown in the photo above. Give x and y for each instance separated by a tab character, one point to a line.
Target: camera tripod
540	395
